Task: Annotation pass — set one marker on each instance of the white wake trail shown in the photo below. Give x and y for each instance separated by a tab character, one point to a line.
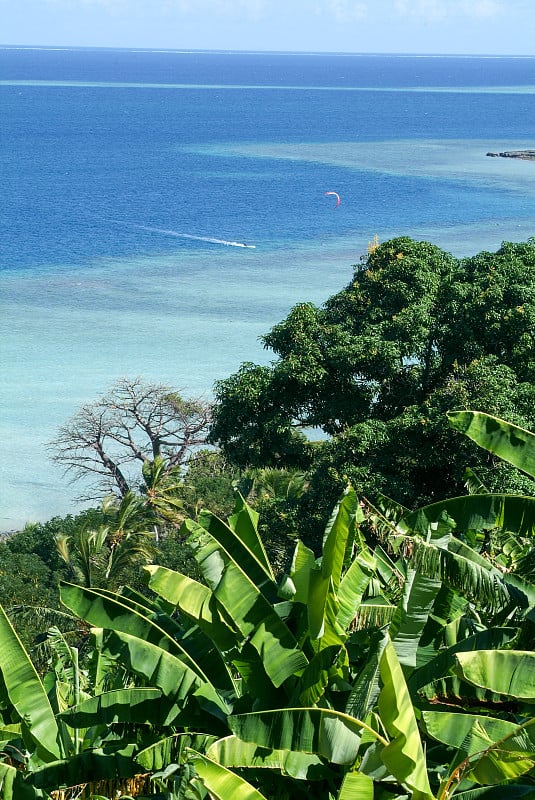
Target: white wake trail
212	239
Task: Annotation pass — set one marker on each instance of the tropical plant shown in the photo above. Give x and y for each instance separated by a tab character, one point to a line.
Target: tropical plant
397	669
358	388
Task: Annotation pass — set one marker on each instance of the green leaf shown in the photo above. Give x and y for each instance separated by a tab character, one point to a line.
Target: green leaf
118	705
255	618
165	671
353	585
409	621
325	577
221	783
508	672
196	601
356	786
105	610
404	755
302	564
235	753
94	765
26	692
490	639
513	444
480	512
324	732
495	750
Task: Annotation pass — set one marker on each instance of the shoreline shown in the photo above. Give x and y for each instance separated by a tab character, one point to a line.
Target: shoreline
523	155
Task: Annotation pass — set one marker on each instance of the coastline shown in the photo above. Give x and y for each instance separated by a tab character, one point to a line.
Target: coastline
523	155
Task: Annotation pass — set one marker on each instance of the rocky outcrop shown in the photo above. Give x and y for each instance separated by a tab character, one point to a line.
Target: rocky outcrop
526	155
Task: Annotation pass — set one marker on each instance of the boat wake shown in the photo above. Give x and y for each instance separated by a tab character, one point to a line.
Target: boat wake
211	239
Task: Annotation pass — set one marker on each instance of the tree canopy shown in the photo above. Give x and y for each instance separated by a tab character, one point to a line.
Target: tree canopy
359	387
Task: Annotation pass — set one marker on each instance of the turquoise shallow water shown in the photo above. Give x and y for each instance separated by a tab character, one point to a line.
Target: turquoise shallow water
124	210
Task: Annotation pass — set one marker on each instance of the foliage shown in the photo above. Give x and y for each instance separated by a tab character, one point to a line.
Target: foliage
371	374
399	668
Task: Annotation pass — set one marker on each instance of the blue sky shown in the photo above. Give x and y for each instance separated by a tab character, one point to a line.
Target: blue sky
500	27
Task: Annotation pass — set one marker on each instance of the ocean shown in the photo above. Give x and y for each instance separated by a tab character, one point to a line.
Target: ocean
160	211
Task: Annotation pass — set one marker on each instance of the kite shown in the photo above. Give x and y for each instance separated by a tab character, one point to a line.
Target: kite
338	201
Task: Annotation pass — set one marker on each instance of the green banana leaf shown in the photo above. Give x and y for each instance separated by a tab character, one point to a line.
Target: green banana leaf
169	750
324	667
251	612
7	778
325	577
496	750
91	765
234	753
490	639
507	672
195	600
356	786
166	672
302	564
241	545
513	444
105	610
404	755
222	784
353	585
324	732
511	791
26	693
244	522
366	687
410	618
119	705
515	513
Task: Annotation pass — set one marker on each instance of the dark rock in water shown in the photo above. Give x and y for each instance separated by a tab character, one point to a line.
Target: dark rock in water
526	155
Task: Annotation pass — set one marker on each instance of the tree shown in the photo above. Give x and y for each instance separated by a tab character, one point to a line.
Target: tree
369	375
110	440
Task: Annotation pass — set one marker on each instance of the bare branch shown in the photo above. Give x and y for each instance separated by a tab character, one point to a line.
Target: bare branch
132	424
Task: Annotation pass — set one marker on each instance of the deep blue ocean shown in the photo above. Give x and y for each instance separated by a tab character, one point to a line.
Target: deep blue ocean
161	210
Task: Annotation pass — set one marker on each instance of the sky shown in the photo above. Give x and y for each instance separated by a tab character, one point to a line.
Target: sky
478	27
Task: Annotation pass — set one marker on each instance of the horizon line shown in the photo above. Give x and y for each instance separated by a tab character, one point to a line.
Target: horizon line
231	51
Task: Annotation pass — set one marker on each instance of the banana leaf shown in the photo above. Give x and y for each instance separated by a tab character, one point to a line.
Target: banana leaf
26	693
254	616
514	513
410	618
326	575
324	732
302	564
166	672
508	441
244	523
506	672
236	754
195	600
169	750
511	791
490	639
89	766
241	545
490	750
221	783
118	705
353	585
104	610
404	755
356	786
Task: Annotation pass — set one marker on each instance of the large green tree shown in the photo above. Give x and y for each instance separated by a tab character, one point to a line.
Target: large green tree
359	387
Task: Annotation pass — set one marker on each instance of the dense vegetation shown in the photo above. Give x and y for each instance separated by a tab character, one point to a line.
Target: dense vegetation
279	649
417	332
